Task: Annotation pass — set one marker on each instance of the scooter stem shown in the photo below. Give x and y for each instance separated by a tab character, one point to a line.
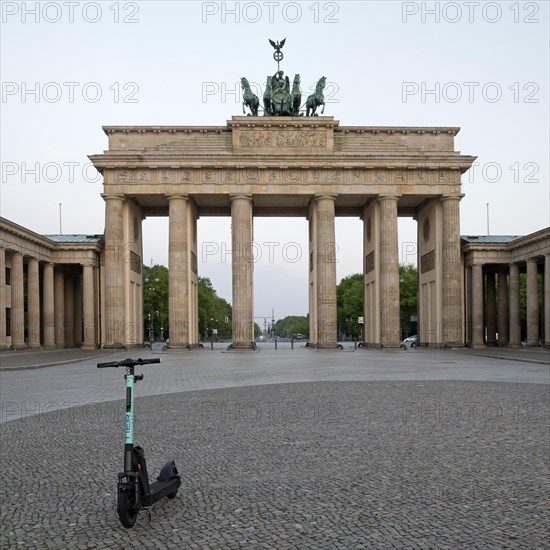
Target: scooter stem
129	421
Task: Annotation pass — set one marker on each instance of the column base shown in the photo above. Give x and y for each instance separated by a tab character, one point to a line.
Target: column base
18	346
324	347
114	346
240	346
88	348
477	346
180	347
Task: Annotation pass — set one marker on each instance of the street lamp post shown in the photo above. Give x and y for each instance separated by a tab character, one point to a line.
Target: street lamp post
151	306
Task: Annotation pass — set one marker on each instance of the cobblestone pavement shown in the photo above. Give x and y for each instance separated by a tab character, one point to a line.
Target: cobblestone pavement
327	464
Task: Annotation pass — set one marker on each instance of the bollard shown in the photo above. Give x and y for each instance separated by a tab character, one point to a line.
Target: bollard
292	343
355	346
212	345
275	343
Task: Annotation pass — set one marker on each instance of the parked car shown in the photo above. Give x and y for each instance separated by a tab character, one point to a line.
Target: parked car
409	342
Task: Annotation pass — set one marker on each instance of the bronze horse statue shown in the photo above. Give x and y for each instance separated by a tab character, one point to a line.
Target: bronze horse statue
295	96
250	99
317	98
268	98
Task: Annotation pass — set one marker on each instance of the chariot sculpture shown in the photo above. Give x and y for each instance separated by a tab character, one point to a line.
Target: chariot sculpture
278	98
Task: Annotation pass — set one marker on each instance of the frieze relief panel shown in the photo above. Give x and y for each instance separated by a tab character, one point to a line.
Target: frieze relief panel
299	138
290	174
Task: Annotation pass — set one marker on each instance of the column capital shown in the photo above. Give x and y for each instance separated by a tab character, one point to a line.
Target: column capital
108	197
395	197
244	196
452	197
329	196
171	196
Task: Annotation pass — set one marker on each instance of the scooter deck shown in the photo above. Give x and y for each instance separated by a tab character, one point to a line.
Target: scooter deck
159	489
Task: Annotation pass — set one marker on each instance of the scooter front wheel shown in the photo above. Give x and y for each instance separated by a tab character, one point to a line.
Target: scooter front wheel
126	506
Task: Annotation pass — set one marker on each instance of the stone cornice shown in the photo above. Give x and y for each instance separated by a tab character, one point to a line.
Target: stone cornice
283	122
165	129
398	161
22	232
30	237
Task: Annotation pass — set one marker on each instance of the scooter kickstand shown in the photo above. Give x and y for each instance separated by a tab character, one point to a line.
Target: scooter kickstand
148	513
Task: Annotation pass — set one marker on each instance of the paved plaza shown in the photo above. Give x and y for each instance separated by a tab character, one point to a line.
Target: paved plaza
282	449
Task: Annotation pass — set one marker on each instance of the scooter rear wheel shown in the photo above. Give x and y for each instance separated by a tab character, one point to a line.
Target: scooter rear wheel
126	507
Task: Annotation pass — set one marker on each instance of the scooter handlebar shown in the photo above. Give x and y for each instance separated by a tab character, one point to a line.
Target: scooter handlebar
128	362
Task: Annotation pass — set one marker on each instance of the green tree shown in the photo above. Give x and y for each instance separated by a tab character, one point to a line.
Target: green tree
257	330
215	313
408	299
349	305
155	302
350	299
291	326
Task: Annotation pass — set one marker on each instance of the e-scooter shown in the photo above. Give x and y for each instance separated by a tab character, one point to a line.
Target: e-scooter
134	490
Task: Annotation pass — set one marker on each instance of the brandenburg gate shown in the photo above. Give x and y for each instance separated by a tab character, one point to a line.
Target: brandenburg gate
306	166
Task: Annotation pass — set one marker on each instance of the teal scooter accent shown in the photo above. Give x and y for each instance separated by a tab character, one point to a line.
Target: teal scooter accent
134	492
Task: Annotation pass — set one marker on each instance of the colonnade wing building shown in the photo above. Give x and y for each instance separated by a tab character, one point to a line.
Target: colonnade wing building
468	289
50	288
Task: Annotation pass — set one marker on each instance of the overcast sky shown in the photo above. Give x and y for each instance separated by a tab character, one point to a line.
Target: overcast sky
68	68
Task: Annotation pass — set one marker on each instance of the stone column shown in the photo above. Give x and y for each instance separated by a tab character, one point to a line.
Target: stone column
389	273
69	310
491	309
3	321
114	273
326	272
77	308
33	303
547	300
59	308
178	272
515	326
451	273
313	336
532	304
17	302
502	306
477	306
48	307
242	271
88	305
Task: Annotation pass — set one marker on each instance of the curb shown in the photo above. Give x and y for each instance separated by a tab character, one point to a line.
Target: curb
52	364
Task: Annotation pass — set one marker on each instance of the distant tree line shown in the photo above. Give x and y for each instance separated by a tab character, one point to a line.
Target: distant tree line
215	313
